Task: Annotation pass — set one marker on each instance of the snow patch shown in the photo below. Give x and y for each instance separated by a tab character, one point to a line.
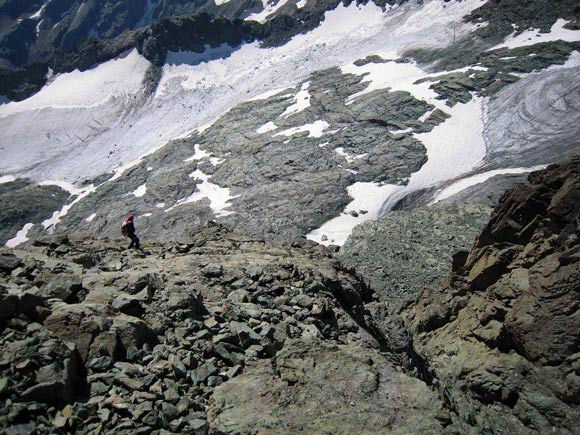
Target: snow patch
301	3
7	179
534	36
160	205
315	129
406	130
301	101
91	217
50	224
221	2
269	126
140	191
38	13
269	8
199	154
454	148
219	197
366	197
21	236
349	157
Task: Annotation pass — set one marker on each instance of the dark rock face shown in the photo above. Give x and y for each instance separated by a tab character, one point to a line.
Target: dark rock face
500	337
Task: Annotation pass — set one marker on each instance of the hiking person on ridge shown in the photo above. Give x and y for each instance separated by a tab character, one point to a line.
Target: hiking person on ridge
128	230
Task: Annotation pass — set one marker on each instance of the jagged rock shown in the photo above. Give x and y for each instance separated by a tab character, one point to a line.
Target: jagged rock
500	336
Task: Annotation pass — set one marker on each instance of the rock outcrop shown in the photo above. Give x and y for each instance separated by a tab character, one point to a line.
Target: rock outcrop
500	338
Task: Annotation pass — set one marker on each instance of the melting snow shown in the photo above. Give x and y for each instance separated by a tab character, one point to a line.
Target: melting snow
534	36
315	129
21	236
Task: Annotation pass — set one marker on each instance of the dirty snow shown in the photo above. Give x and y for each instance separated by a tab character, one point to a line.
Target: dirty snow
21	236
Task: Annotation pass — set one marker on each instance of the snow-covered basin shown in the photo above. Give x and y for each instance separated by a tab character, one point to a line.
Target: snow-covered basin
83	124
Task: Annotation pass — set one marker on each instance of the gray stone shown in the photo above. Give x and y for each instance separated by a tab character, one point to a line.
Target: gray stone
246	335
203	372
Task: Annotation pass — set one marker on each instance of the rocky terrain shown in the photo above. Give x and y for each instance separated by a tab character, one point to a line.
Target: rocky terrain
190	337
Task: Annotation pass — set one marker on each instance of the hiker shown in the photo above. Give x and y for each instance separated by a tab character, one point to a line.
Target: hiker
128	230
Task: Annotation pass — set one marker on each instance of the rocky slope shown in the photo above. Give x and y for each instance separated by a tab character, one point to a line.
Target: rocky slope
190	337
186	339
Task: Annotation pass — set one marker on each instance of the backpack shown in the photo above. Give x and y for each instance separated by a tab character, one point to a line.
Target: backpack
124	229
